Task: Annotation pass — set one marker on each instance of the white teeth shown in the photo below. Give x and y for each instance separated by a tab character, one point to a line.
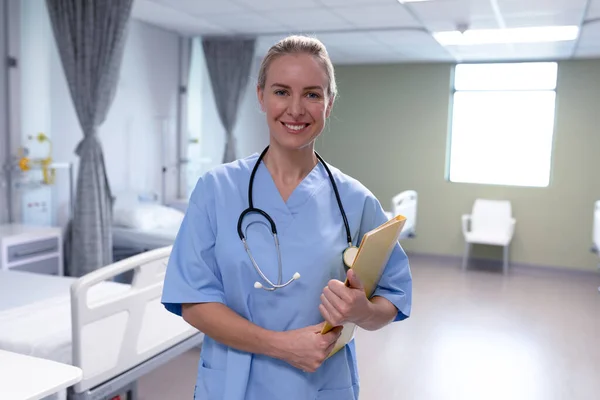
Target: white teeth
295	127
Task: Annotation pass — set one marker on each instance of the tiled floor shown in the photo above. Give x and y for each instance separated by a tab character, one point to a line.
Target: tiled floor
475	335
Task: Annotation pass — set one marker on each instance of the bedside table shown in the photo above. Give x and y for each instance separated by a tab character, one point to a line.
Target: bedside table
31	248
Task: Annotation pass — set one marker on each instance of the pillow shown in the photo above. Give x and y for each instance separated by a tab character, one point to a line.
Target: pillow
145	216
167	217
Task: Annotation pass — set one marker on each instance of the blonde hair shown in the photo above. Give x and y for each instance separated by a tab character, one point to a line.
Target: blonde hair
297	44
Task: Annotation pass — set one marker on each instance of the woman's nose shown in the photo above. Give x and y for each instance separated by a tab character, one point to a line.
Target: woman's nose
296	107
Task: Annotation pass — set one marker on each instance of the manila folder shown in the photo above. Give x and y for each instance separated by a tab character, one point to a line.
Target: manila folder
372	257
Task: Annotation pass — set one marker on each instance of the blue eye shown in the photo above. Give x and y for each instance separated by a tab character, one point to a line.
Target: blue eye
313	95
280	92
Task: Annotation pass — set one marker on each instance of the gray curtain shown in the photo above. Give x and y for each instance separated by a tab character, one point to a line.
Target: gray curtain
90	36
229	61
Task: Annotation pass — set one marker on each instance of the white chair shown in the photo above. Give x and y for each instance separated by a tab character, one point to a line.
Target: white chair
405	203
596	230
490	223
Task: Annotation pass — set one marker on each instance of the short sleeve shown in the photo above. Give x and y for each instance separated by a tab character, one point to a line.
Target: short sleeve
192	275
396	281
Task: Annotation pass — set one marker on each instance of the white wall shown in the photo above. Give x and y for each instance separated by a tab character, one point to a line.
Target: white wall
131	134
251	129
36	53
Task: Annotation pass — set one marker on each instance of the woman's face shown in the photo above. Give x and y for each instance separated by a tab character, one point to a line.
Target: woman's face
295	100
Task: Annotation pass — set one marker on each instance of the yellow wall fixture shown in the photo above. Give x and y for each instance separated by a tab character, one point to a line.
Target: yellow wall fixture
26	163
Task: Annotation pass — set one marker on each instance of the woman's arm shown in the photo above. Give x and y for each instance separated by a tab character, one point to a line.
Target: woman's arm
341	303
304	348
222	324
382	312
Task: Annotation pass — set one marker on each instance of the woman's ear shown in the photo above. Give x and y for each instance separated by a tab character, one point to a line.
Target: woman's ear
260	94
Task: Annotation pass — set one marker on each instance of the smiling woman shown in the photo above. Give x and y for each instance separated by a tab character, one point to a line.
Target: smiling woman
298	215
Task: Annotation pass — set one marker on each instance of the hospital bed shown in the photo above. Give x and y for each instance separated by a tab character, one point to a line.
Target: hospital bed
139	226
114	332
405	204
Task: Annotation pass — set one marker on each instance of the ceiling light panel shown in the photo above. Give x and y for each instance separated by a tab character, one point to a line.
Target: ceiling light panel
512	35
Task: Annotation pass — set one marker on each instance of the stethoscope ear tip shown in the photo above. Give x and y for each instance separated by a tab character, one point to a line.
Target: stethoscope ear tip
257	285
296	276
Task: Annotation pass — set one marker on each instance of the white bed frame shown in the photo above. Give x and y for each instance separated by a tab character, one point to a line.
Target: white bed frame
141	336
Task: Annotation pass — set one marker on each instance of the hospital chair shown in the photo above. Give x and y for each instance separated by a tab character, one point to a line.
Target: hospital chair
596	231
490	223
405	204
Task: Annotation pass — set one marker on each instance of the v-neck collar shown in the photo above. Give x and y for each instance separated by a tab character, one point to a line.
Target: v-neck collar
284	212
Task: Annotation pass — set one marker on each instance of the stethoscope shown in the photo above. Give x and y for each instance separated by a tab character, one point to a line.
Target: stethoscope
348	255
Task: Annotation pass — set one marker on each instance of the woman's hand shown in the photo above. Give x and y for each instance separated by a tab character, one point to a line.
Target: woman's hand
307	348
341	304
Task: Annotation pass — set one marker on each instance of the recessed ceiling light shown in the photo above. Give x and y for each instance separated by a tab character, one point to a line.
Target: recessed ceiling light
510	35
412	1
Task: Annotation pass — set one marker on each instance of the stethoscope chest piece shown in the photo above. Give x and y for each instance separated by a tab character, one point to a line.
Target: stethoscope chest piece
349	256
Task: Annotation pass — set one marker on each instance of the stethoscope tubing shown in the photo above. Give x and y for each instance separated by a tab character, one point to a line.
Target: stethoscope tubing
252	209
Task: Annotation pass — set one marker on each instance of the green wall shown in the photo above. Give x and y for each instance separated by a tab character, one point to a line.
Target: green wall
400	114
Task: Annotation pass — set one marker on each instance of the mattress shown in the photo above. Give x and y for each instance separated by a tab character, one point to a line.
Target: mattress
19	288
38	320
143	239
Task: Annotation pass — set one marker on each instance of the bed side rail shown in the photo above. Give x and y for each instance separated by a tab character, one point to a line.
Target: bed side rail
116	330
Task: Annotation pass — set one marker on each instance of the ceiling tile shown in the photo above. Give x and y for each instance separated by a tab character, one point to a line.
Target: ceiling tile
590	35
272	5
383	16
444	15
202	7
417	45
307	21
248	22
361	39
594	10
588	52
406	38
356	59
336	3
172	19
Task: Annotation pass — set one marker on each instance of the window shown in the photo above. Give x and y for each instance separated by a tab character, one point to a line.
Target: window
503	123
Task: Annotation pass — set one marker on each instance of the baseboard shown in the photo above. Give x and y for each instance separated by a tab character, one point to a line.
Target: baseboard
495	265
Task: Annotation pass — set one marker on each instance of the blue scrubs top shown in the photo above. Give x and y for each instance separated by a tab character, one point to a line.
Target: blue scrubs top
208	263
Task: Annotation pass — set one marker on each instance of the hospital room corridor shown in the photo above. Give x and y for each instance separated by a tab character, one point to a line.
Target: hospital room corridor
474	335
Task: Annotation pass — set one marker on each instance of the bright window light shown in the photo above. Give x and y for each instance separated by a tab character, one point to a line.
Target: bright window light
538	34
506	76
502	133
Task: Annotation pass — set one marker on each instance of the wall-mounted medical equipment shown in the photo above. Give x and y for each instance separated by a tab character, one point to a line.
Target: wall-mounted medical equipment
44	163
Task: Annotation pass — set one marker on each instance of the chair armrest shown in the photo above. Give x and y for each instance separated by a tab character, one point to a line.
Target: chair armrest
466	218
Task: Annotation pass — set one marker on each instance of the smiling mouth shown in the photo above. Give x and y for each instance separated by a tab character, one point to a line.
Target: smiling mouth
295	127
